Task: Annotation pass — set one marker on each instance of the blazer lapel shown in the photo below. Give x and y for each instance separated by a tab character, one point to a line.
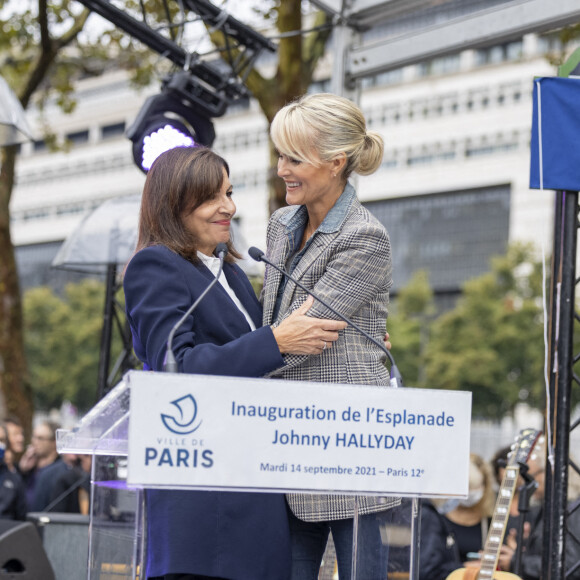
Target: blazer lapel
273	278
241	291
317	246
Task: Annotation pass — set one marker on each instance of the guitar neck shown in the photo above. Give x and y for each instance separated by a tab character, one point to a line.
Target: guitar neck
498	523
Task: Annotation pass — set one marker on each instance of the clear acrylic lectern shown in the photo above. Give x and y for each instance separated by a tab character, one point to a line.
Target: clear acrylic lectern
117	523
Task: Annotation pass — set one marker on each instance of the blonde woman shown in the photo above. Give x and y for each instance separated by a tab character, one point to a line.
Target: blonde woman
335	247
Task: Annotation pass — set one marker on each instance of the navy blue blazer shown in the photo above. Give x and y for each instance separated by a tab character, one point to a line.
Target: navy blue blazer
238	536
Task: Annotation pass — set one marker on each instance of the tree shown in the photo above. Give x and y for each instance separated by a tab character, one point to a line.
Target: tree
62	337
42	53
298	56
492	342
408	324
567	39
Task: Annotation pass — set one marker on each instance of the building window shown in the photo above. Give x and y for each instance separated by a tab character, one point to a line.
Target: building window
550	44
239	105
78	137
384	79
485	147
439	66
35	267
451	235
112	131
508	51
320	86
39	145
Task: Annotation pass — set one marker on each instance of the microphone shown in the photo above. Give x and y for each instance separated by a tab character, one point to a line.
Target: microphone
170	365
396	379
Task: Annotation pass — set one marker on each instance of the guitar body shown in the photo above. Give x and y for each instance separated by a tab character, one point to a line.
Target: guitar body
471	574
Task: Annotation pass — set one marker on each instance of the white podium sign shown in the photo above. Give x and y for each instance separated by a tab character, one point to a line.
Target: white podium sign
214	432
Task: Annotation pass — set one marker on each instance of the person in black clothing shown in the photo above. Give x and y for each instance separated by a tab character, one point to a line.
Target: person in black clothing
15	447
533	531
12	495
439	554
70	490
39	456
450	531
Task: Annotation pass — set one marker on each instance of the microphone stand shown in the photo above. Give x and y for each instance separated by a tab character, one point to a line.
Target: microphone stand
525	494
170	365
83	478
396	378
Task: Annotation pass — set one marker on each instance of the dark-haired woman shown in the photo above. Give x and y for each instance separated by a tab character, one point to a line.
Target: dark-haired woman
186	210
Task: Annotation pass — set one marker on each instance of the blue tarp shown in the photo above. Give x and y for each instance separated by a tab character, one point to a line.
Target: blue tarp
555	144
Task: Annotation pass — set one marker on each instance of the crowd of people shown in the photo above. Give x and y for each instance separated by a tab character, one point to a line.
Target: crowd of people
454	533
37	478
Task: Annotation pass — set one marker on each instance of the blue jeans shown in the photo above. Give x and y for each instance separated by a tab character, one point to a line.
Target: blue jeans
308	541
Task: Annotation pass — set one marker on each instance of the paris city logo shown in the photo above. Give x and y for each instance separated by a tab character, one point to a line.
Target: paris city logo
178	451
183	419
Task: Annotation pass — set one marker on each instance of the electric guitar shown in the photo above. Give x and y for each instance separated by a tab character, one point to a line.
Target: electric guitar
487	571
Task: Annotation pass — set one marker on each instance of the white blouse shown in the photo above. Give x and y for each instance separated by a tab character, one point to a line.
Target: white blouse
213	264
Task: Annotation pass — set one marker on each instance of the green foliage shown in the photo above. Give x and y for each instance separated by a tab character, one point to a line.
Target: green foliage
568	37
62	341
408	327
492	342
257	283
44	49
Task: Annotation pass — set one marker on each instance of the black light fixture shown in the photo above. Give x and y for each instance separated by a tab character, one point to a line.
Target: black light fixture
177	117
181	115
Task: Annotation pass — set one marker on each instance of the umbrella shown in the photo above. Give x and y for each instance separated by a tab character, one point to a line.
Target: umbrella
13	125
108	236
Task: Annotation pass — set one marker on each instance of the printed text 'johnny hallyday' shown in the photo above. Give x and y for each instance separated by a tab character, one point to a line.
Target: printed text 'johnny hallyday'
370	415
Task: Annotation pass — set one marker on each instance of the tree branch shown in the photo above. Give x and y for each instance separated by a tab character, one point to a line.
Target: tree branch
49	50
315	43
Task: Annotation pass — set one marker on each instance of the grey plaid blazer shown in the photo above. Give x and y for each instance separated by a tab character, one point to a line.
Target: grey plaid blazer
350	269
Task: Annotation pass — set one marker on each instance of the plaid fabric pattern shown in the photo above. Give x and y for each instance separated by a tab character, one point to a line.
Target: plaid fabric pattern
350	269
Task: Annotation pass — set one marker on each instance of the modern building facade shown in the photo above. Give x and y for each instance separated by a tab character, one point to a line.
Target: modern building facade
452	190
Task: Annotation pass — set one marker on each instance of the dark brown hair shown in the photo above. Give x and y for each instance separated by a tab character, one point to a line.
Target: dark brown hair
12	419
179	181
7	446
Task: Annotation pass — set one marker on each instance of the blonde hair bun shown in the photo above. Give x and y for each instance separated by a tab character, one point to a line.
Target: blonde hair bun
323	125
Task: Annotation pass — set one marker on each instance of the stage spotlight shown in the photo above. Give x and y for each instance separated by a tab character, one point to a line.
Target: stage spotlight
162	133
170	119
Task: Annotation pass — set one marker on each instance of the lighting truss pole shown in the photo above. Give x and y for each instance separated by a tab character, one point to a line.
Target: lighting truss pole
248	43
562	376
343	36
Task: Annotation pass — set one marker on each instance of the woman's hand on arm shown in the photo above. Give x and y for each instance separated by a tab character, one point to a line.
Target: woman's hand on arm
386	341
301	334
